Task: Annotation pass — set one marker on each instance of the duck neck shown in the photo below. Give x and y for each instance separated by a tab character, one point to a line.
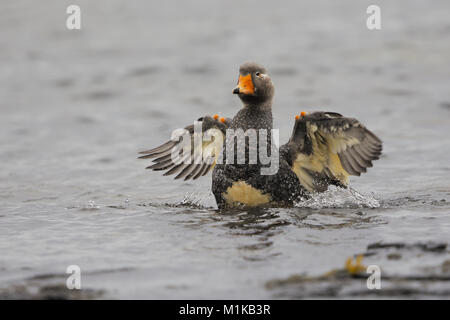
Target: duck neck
253	116
266	106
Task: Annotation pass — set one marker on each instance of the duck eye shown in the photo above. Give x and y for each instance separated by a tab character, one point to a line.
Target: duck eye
258	73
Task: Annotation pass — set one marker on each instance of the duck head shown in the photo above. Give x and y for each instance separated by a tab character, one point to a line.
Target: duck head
254	85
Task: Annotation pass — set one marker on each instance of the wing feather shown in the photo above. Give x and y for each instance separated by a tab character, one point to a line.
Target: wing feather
332	147
186	171
158	150
189	159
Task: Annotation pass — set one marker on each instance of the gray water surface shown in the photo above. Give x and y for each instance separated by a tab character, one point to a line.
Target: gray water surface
77	106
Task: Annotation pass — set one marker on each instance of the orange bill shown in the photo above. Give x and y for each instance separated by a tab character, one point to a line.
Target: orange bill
245	84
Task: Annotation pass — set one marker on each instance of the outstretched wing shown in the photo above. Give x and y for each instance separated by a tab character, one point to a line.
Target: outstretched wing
191	152
325	148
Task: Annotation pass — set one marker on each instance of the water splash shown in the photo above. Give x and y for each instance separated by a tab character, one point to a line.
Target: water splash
336	197
90	206
197	200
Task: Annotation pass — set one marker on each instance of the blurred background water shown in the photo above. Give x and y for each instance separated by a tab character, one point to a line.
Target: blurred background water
77	105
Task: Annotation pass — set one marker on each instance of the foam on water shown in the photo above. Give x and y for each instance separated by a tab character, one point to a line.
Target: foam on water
336	197
198	200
